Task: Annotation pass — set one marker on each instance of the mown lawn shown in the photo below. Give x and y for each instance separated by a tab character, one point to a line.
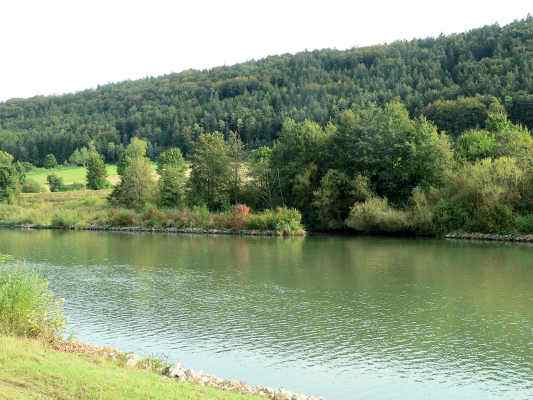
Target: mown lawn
31	370
70	175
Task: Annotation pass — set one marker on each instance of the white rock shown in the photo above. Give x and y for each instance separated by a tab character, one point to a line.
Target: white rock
132	360
177	371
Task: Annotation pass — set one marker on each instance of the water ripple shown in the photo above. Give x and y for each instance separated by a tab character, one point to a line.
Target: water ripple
343	318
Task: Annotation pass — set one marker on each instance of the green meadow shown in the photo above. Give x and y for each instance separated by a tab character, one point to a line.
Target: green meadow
70	175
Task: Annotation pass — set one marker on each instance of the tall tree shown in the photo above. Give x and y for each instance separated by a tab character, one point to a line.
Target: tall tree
335	196
298	159
210	171
50	161
137	186
395	152
96	171
172	171
262	183
11	177
136	149
236	153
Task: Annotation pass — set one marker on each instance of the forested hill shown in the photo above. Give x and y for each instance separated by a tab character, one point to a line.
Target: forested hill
253	98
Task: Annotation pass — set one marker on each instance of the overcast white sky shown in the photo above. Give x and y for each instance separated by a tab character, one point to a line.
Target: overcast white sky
58	46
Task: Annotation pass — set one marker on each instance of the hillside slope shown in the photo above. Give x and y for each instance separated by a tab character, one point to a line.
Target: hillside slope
254	98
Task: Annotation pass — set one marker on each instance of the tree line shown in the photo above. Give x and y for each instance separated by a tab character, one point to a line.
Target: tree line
451	80
373	169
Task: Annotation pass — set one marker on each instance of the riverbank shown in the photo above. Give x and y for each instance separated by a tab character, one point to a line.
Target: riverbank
512	237
517	238
73	370
30	369
133	229
246	232
90	210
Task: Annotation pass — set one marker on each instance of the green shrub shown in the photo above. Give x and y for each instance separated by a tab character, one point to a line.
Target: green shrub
27	307
154	364
200	217
5	258
481	197
288	220
336	194
50	161
79	157
197	217
238	216
421	215
122	217
376	216
32	186
55	183
284	221
154	217
524	223
89	201
171	157
66	218
262	221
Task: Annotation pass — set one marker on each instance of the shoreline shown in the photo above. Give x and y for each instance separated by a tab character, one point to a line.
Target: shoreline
141	229
178	372
493	237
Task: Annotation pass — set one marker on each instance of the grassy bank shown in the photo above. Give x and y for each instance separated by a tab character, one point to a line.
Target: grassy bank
77	208
90	209
30	369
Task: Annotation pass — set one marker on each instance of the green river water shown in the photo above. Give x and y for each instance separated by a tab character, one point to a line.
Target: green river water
340	317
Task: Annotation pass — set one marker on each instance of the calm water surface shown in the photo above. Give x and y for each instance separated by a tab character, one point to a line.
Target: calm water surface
344	318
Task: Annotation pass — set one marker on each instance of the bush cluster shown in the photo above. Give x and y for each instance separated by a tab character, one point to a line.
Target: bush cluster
281	220
31	186
27	306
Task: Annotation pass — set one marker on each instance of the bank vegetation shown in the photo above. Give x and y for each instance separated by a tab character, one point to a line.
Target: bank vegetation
374	170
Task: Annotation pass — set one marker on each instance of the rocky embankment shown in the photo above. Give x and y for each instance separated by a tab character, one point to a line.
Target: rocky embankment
188	375
491	237
196	231
178	371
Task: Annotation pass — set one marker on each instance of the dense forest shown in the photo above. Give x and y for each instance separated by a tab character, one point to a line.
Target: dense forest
422	137
452	80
